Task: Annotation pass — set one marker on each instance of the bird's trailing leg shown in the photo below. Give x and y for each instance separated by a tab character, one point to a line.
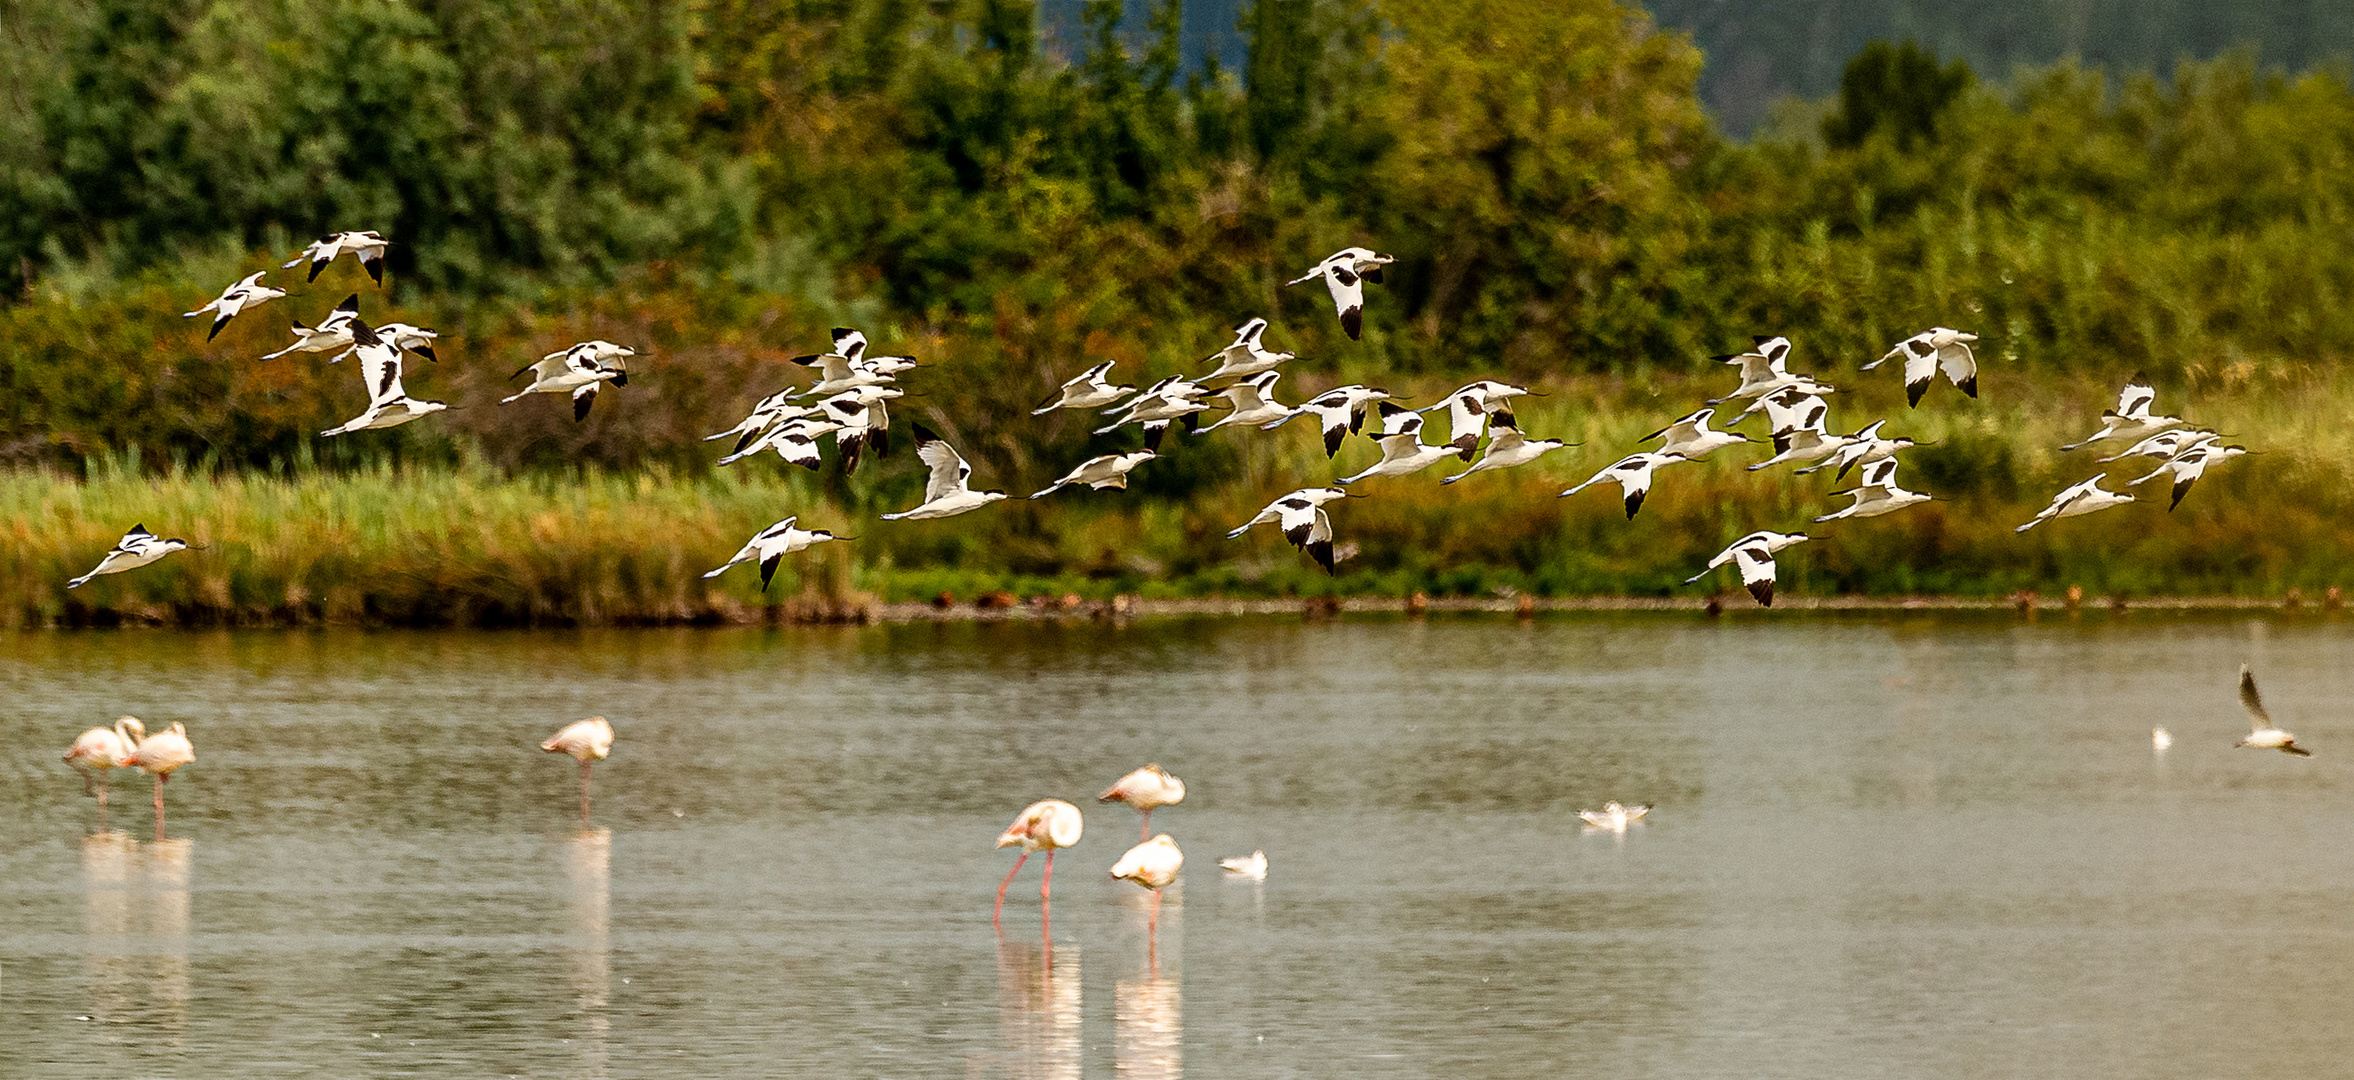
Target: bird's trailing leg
1001	887
584	791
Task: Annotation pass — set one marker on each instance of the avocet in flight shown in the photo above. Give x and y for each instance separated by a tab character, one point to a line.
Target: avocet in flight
1691	438
1402	449
2076	499
577	371
333	332
2131	420
1632	474
1254	403
772	544
389	403
368	247
1092	388
245	294
946	492
1879	494
2188	466
1931	350
1753	556
1338	412
1304	498
137	548
1107	471
1246	356
1345	273
1509	448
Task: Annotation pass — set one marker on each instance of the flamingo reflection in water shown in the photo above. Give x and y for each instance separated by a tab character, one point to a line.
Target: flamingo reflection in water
1038	1010
588	866
136	915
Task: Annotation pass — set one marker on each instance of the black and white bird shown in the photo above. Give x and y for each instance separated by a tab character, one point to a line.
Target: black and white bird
1338	412
1878	494
1691	437
841	369
1762	369
405	338
1254	402
1107	471
1632	474
368	247
389	403
1272	513
333	332
2166	445
1171	399
2078	499
1929	351
1469	408
1795	387
137	548
946	492
2263	734
1402	448
865	420
1246	356
1862	448
1092	388
772	544
239	297
1345	273
1509	448
794	440
2188	466
1797	419
772	410
577	371
2131	420
1753	556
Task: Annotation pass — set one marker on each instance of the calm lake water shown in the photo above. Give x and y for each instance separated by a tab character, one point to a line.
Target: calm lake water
1884	846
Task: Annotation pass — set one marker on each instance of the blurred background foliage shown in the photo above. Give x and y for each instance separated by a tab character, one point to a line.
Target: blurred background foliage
1012	198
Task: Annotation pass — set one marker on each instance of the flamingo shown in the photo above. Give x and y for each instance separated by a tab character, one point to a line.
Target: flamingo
1042	826
1146	789
1152	864
159	754
100	749
587	741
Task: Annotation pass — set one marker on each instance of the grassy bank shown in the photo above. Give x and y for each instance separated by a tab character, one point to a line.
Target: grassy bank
470	545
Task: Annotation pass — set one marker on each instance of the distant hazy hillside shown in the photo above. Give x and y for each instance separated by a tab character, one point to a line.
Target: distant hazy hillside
1759	50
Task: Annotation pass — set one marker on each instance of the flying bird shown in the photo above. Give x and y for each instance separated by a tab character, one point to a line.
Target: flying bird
1092	388
367	247
137	548
1146	789
1509	448
1929	351
2131	420
2166	445
333	332
1107	471
1254	402
1345	273
2076	499
245	294
1338	412
1246	356
588	741
1879	494
2188	466
577	371
1632	474
1273	512
1762	369
1753	555
1691	438
1045	825
946	493
1402	448
772	544
2263	734
389	403
1862	448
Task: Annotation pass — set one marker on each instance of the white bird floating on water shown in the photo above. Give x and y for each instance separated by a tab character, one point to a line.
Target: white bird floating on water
1092	388
1146	789
1107	471
772	544
137	548
389	403
1878	494
1613	817
1345	273
333	332
588	742
2188	466
2131	419
1252	867
1927	352
1509	448
1338	412
1045	825
2263	734
946	493
245	294
1402	449
1753	555
1632	474
1246	356
367	246
578	371
1691	438
2160	739
1254	403
2077	499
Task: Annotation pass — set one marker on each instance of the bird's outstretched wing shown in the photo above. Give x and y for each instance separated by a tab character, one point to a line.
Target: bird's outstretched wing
2250	700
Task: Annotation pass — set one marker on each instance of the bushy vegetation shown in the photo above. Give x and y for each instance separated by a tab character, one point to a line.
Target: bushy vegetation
716	184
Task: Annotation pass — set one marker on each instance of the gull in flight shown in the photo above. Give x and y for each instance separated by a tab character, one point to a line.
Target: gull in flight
1402	448
578	371
245	294
1146	789
2131	419
333	332
1044	825
2188	466
1613	817
2077	499
1753	555
1246	356
1691	437
1107	471
389	403
772	544
588	742
367	247
1254	403
1092	388
1509	448
1338	412
1632	474
137	548
1345	273
1879	494
946	493
2263	734
1251	867
1927	352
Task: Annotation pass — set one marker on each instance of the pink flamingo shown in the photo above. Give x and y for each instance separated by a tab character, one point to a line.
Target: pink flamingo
1152	864
1146	789
1045	825
159	754
587	741
100	749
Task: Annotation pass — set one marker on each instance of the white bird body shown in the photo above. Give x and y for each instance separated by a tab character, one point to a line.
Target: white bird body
163	752
2131	420
587	741
771	545
2263	734
1402	449
863	418
1107	471
2188	466
1793	387
1092	388
1254	403
1862	448
2166	445
1345	273
1798	445
2077	499
401	336
387	414
1152	864
1045	825
333	332
946	492
772	410
389	403
1753	556
137	548
794	440
2160	738
367	246
1762	369
1469	408
1173	398
1246	356
1632	474
239	297
1613	817
99	749
1338	412
1508	448
1929	351
1879	494
1304	497
1252	866
577	371
1691	438
1146	789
